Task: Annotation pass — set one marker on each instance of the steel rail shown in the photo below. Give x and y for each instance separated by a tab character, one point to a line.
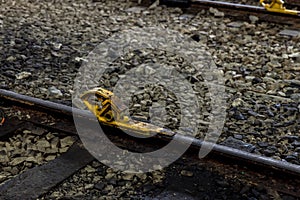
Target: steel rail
229	5
249	159
235	6
222	4
241	11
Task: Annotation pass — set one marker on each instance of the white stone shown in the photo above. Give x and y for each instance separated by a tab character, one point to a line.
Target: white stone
23	75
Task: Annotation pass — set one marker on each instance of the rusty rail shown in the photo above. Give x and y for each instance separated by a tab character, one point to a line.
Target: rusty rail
255	160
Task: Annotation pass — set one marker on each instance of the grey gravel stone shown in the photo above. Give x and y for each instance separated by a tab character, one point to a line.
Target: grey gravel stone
292	33
186	173
296	97
253	19
23	75
42	145
100	186
235	24
136	9
67	141
54	92
216	12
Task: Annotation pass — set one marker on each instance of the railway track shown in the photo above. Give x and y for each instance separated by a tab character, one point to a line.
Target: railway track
38	175
283	177
236	10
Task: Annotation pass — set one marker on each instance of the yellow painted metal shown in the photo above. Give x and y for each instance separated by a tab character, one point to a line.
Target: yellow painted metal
110	111
277	6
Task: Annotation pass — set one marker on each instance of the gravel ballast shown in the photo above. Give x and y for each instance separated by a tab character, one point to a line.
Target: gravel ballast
43	45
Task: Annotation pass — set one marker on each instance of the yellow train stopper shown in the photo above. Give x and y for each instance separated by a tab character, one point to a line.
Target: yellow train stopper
277	6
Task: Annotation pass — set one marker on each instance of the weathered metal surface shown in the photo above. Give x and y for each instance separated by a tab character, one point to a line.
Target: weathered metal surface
241	11
39	180
228	5
235	155
39	104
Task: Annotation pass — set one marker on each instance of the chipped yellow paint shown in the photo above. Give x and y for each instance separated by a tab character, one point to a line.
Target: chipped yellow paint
277	6
109	110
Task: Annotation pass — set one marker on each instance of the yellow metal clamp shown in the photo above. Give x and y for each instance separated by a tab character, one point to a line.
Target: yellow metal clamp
110	111
277	6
